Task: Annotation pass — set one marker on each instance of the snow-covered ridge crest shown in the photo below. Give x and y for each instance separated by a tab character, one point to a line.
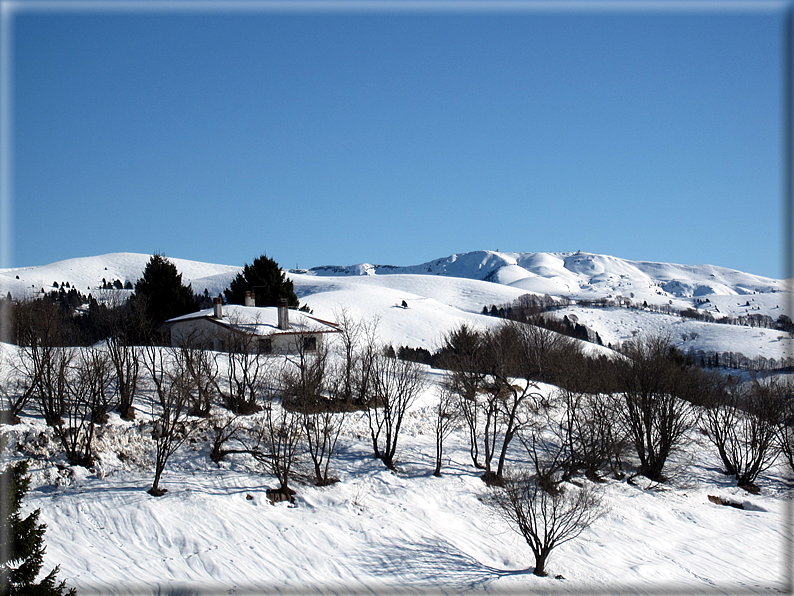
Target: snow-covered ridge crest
86	273
576	273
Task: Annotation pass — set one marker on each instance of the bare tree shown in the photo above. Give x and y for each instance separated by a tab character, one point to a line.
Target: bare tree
461	354
511	353
225	428
395	386
121	327
277	443
41	332
364	369
545	520
202	367
244	369
447	417
786	422
88	384
493	374
171	426
656	417
17	387
589	426
742	423
350	335
320	393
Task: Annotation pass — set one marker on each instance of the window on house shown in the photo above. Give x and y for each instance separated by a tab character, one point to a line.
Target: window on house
265	345
310	343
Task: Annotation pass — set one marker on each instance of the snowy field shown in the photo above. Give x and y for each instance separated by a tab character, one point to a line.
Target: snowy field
376	531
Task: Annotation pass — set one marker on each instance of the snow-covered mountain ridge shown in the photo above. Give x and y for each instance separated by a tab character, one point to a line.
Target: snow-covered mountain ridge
576	274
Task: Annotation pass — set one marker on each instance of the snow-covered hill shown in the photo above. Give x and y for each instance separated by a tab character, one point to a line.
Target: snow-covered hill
577	275
86	274
447	291
580	275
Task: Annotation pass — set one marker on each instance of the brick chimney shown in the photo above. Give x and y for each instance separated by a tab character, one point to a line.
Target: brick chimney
283	314
250	298
218	306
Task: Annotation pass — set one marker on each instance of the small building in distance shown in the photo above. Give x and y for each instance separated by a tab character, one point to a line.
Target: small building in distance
262	330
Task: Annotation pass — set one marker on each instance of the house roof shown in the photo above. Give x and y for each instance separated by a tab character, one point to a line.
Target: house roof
259	320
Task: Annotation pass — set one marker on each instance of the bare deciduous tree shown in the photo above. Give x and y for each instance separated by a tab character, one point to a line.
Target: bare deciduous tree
512	354
244	368
17	387
656	417
349	337
545	520
320	394
41	332
277	443
88	384
742	423
589	427
395	386
202	367
171	425
447	417
461	355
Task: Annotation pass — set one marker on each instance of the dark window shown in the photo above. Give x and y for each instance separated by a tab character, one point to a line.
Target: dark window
265	345
310	343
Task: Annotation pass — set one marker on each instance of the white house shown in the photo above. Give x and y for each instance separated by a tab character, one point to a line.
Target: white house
266	330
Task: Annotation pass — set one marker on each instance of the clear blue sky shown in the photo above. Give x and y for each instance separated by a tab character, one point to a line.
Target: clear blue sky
397	137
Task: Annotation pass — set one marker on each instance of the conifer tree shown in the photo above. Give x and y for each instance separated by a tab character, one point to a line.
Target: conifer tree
265	279
161	292
22	540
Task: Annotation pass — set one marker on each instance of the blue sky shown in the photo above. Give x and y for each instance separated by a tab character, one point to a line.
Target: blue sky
398	136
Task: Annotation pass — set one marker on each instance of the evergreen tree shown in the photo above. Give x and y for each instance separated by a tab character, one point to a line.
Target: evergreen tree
22	540
265	279
161	292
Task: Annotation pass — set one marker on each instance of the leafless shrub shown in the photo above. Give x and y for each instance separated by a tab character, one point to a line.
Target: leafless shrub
277	442
319	392
244	368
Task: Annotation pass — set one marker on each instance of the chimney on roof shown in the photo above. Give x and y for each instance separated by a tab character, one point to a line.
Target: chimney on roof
217	304
283	314
250	298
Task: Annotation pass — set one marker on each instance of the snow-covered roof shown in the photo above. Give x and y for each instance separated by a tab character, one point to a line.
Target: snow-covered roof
260	320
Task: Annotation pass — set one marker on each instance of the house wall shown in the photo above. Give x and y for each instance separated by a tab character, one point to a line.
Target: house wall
212	336
201	332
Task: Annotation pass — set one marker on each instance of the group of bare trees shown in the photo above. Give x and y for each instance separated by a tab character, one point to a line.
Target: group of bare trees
643	405
494	389
495	375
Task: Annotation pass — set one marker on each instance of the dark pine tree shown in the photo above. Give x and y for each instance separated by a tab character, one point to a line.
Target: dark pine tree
161	292
22	541
265	279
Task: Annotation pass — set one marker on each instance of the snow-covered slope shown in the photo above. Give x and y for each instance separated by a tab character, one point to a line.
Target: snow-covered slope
406	532
375	531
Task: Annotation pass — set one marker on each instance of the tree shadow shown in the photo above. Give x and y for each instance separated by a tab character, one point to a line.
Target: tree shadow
433	563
